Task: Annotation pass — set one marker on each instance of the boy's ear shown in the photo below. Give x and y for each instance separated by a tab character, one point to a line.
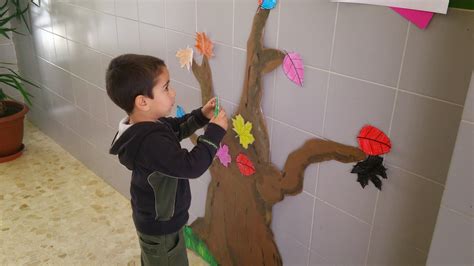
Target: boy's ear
141	103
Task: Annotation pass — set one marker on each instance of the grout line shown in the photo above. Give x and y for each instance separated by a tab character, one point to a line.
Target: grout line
417	175
335	207
298	129
371	228
139	30
355	78
187	85
308	259
214	92
431	98
399	78
468	122
330	68
233	23
467	216
312	218
388	133
165	29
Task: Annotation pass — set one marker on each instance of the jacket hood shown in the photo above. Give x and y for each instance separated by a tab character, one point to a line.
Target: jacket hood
128	139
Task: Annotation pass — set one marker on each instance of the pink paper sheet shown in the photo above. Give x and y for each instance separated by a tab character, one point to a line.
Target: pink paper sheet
419	18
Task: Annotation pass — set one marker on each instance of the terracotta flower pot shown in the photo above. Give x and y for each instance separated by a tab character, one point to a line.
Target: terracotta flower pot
11	132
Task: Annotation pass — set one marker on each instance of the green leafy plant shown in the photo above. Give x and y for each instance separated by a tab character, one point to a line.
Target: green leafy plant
8	76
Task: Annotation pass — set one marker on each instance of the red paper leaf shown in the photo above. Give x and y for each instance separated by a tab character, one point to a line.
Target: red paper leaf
245	165
373	141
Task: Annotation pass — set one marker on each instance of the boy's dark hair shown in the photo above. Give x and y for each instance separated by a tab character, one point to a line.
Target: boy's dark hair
130	75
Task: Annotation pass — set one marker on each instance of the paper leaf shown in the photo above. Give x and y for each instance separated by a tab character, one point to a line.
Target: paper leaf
420	18
185	57
180	111
223	155
267	4
370	169
293	68
373	141
243	129
204	45
245	165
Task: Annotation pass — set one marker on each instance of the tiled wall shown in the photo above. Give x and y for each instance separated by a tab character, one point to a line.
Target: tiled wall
453	239
363	64
8	53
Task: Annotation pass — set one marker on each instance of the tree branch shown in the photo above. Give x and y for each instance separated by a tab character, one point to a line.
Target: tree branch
271	58
203	74
273	185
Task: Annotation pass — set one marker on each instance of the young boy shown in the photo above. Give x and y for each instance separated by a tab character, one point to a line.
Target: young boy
148	144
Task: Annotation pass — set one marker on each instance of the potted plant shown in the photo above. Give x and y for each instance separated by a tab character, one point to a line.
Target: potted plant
12	112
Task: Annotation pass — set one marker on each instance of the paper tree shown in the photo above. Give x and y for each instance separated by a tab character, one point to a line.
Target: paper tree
236	226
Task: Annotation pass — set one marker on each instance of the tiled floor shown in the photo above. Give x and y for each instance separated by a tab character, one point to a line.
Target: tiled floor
56	211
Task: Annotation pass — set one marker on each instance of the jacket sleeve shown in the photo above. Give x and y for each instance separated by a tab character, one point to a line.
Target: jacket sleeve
160	152
185	126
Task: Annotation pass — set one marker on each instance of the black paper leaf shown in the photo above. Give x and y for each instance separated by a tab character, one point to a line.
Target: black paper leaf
370	169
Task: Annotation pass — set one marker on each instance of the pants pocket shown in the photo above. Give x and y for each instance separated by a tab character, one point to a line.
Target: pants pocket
178	255
150	246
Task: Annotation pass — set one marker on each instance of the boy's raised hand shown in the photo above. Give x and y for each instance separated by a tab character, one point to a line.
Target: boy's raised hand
208	109
220	119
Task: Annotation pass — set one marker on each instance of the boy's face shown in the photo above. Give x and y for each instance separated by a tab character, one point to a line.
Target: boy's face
163	96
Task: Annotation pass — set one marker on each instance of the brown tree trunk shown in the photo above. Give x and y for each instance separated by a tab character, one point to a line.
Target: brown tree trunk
236	225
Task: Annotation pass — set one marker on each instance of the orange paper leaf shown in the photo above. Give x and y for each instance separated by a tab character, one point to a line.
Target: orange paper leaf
204	45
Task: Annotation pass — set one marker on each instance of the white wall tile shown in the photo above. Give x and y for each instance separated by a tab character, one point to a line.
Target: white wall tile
292	216
423	135
452	241
107	34
293	253
335	177
87	62
209	12
468	113
302	107
127	9
349	108
449	40
307	27
459	192
338	237
406	214
128	36
177	10
97	104
369	43
152	41
152	12
62	54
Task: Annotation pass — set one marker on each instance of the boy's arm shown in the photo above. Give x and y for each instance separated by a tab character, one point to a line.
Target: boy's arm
160	152
185	126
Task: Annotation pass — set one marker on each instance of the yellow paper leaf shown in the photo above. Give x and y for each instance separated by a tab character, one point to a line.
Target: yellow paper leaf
243	130
204	45
185	57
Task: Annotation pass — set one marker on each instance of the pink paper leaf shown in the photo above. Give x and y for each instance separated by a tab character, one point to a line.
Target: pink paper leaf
293	68
223	155
420	18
